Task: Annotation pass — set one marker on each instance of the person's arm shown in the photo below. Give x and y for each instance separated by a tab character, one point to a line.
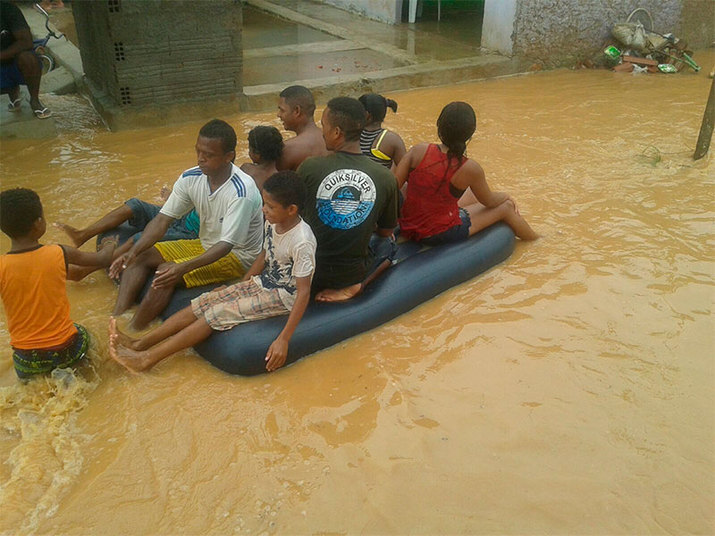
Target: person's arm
257	266
103	257
171	273
154	230
396	147
278	350
471	176
21	33
403	168
387	220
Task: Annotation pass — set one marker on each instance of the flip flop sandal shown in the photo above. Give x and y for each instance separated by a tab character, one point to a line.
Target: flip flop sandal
44	113
15	105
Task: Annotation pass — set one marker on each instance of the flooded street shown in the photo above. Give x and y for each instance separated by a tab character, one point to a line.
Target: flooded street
569	390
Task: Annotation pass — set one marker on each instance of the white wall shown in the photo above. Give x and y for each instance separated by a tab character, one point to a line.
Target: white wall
498	27
383	10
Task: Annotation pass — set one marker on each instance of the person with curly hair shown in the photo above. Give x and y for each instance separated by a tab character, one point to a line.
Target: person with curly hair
32	288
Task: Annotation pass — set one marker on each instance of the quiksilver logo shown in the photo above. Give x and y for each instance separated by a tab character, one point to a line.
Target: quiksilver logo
345	198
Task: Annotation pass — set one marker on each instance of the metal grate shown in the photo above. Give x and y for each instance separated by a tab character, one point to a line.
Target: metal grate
114	6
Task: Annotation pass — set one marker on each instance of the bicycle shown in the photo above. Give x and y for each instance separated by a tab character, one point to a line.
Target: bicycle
39	45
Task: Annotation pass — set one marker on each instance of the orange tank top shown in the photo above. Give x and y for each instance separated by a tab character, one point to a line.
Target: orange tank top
32	287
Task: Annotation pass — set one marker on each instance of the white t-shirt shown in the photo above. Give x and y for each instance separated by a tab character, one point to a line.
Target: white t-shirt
232	213
288	255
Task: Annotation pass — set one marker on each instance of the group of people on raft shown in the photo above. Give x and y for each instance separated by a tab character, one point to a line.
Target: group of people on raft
314	217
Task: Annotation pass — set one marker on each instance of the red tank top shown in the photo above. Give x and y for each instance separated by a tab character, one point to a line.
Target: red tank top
430	208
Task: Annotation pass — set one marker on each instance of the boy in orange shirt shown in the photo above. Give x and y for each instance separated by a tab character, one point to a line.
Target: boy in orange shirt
32	288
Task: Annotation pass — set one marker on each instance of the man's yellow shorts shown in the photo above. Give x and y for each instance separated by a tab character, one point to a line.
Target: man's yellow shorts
227	267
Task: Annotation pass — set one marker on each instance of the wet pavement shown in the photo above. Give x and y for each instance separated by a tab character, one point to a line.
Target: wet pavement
335	52
329	50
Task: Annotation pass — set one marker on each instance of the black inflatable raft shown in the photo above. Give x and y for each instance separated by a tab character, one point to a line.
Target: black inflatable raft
418	276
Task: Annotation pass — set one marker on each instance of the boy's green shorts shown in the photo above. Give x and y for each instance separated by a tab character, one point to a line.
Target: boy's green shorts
29	363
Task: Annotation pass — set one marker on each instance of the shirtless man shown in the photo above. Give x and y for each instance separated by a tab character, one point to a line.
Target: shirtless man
295	110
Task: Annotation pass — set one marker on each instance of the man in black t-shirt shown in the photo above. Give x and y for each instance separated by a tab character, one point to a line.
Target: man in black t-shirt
351	206
18	63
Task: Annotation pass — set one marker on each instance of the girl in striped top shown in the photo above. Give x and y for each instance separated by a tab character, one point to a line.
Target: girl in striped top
379	144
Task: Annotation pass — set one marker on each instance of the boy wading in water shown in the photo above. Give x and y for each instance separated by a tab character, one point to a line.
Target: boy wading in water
277	283
32	287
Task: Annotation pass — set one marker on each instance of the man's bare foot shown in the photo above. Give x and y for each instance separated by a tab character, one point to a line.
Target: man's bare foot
338	295
75	234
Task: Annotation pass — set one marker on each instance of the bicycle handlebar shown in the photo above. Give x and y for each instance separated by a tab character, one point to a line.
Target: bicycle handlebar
39	8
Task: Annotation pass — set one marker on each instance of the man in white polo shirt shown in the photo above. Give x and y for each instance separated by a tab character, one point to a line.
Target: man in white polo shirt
230	235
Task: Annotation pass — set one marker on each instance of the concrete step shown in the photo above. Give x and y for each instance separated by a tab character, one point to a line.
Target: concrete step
23	123
58	81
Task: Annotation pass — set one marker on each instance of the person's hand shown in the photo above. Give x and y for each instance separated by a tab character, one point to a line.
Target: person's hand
120	264
167	275
276	355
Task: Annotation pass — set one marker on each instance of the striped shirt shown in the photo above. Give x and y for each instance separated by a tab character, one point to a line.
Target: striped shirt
367	139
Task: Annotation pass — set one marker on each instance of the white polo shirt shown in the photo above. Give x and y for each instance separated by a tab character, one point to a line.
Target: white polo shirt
232	213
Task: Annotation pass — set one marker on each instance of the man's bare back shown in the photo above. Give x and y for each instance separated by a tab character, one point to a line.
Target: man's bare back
308	143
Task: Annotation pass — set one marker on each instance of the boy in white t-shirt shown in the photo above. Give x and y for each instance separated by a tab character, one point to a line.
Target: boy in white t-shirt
278	283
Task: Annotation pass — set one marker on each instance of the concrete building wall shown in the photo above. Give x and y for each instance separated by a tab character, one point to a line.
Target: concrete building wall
563	32
498	26
158	58
697	23
389	11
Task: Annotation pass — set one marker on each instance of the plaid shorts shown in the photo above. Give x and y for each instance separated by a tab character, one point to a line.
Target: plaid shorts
236	304
227	267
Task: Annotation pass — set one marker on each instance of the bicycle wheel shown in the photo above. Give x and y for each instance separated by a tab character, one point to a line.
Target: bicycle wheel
47	62
643	16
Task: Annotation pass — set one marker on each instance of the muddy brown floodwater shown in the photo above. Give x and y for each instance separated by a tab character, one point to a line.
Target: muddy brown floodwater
569	390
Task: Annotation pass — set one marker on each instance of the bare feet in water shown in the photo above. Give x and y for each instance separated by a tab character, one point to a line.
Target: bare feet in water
132	360
338	295
75	234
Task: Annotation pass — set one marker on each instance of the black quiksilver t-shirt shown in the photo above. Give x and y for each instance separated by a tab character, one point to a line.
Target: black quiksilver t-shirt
349	196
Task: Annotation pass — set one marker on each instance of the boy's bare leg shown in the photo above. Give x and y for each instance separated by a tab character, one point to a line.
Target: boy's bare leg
173	324
137	361
134	277
109	221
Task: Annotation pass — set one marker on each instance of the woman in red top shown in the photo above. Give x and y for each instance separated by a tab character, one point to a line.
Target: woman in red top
448	198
